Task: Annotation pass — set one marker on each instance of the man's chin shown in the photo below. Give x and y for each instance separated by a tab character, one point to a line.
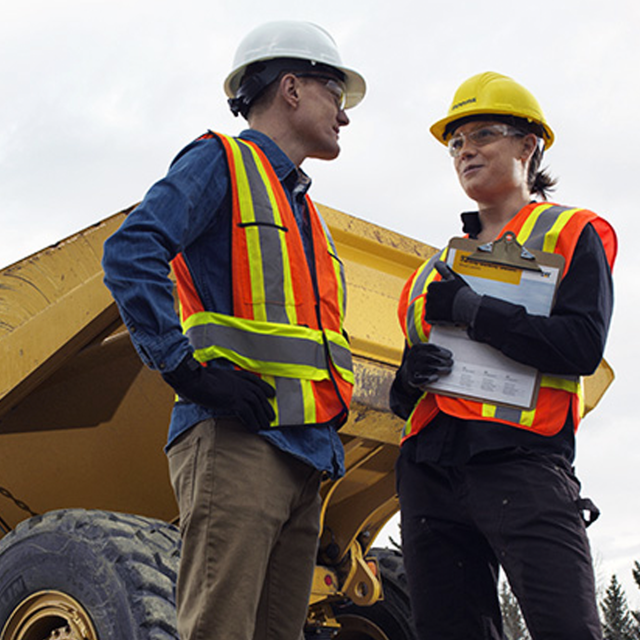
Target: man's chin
327	154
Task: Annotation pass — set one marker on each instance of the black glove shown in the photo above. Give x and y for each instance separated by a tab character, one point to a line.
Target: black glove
232	392
451	300
425	363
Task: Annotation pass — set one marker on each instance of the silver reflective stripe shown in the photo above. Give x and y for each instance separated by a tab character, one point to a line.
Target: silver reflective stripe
417	289
259	346
290	399
421	279
414	338
328	234
542	226
508	413
334	254
270	240
341	356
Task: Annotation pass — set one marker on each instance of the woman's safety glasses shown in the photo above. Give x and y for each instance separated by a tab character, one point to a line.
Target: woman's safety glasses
481	137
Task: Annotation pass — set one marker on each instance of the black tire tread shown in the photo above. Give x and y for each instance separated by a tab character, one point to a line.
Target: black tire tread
144	553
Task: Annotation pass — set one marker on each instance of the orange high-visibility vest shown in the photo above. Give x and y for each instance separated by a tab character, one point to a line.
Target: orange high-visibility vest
538	226
287	323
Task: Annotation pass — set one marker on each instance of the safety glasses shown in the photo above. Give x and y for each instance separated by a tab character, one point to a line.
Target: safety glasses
335	87
481	137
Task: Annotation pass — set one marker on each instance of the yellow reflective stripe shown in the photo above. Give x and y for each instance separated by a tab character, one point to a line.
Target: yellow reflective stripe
291	307
580	400
489	410
527	417
408	425
282	369
201	318
530	222
553	235
272	348
418	314
309	401
415	329
337	269
571	385
290	304
247	214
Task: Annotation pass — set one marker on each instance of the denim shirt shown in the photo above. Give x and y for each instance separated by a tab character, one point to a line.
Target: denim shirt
189	212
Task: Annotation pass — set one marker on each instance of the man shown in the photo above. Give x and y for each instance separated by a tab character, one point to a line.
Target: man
258	358
484	486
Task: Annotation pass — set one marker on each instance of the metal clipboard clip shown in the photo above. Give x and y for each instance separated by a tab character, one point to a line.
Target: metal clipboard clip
507	251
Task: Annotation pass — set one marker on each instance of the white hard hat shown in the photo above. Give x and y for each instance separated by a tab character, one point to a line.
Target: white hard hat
293	39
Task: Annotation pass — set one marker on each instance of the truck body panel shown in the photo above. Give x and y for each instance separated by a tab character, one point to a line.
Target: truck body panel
83	422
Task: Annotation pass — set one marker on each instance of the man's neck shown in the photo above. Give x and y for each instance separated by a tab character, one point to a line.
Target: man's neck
281	134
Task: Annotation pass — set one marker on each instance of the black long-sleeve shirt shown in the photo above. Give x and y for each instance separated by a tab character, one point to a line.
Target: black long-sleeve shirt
570	341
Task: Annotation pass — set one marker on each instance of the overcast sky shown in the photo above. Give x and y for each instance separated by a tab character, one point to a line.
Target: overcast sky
98	96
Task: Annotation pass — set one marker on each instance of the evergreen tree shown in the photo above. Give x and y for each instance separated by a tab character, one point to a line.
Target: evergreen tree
514	625
618	623
635	572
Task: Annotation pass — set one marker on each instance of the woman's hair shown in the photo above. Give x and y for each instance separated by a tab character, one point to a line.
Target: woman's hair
539	180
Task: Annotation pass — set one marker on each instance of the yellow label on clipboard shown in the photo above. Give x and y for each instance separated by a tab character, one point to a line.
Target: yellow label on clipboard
497	272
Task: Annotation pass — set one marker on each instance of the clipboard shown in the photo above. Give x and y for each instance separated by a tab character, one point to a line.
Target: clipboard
502	269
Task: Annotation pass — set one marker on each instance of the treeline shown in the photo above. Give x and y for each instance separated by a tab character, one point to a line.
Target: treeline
619	621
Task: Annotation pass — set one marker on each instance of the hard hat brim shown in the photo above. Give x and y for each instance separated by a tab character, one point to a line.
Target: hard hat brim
355	84
438	129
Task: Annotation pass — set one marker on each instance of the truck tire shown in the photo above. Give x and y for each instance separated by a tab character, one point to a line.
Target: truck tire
388	619
89	575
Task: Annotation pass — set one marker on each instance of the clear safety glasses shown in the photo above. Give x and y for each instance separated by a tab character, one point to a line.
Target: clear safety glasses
335	87
481	137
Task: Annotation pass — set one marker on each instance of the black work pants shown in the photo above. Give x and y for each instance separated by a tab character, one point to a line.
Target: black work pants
461	523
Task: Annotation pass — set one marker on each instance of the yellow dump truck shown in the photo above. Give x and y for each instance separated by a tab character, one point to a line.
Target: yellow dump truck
89	545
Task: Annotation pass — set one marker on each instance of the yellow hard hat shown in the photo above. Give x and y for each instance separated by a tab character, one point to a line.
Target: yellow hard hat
490	93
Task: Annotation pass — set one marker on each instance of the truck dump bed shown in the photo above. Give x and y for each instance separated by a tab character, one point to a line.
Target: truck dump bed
83	423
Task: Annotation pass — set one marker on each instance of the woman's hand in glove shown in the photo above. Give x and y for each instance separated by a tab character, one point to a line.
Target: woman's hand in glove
450	300
425	363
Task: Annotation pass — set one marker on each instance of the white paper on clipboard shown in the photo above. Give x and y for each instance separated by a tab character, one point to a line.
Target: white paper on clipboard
481	372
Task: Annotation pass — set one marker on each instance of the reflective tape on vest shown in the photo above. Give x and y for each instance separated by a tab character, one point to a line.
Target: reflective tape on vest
287	308
288	351
415	312
539	227
260	216
542	228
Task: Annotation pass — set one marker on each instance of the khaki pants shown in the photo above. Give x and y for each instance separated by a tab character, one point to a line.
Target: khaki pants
249	520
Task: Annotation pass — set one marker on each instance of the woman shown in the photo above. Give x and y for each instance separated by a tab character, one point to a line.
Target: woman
484	486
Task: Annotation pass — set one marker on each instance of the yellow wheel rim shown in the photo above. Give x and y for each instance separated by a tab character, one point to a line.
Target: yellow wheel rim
355	627
49	615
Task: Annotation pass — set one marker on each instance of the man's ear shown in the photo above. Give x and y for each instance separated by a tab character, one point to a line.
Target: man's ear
288	89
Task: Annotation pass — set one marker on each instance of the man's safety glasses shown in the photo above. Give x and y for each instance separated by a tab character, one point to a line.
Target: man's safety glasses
481	137
335	87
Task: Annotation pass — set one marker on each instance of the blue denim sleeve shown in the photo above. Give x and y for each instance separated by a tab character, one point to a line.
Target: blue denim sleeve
174	213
